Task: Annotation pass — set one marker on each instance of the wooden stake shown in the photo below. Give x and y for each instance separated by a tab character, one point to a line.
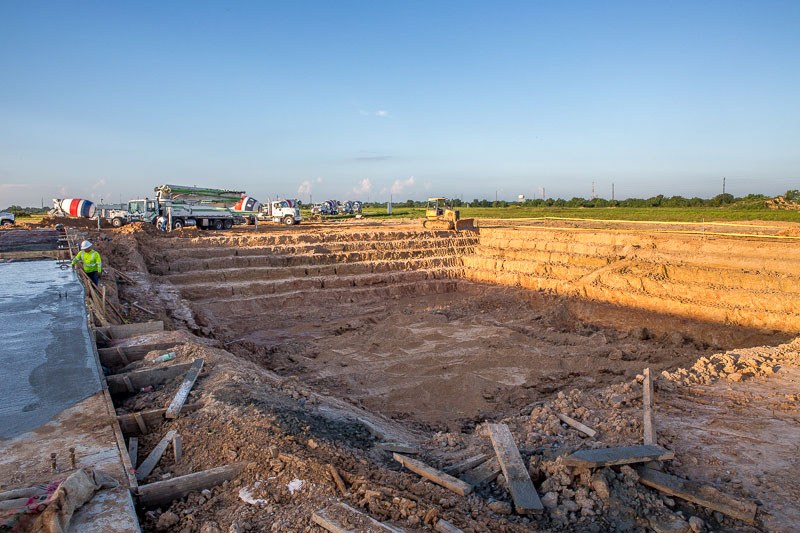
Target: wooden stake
174	408
649	423
133	450
177	447
149	464
337	479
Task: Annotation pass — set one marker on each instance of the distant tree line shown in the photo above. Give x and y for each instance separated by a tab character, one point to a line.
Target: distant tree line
25	211
751	201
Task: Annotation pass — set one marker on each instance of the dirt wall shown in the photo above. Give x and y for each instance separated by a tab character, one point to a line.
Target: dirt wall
728	280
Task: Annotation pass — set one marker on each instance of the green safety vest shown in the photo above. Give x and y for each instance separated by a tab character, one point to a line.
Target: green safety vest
91	261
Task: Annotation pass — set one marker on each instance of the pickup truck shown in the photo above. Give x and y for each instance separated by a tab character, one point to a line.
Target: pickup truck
6	218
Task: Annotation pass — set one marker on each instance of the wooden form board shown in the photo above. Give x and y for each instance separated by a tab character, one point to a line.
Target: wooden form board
526	499
466	464
192	374
577	425
622	455
440	478
482	474
162	492
149	419
147	466
331	517
119	356
130	382
647	400
123	331
694	492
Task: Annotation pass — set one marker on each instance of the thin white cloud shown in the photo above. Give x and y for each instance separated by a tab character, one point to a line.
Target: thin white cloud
380	113
11	186
319	179
400	185
304	188
99	183
364	187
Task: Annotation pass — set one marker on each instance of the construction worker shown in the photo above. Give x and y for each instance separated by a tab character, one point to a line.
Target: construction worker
92	263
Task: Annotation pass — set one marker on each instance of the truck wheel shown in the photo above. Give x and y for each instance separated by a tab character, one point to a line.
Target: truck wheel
6	223
117	222
288	220
228	224
219	224
177	224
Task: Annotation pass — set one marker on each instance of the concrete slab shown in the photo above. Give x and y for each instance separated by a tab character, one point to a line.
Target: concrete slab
51	393
45	350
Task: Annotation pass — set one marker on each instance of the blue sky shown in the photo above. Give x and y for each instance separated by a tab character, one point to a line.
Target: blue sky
336	99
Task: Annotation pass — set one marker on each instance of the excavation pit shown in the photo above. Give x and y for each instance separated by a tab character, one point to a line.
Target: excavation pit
406	323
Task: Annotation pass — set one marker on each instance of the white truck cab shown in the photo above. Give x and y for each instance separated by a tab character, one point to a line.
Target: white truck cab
7	219
282	211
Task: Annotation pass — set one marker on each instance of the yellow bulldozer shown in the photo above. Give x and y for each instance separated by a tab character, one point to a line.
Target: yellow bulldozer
440	214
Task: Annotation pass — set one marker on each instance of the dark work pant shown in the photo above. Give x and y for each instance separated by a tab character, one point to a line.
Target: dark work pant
95	277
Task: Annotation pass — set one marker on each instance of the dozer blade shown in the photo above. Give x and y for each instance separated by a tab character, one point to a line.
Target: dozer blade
467	224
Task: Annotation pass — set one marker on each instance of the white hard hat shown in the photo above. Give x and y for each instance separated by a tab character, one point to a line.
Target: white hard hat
85	245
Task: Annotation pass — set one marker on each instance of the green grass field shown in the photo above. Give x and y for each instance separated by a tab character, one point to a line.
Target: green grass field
666	214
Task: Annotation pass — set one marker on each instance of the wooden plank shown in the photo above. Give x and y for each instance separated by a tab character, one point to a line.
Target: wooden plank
483	473
398	447
577	425
147	466
337	479
151	418
143	378
443	526
440	478
466	464
647	399
526	499
174	408
177	447
119	356
331	519
640	453
140	423
133	451
124	331
161	493
699	494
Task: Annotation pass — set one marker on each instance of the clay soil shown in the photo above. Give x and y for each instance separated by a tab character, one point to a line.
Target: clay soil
323	342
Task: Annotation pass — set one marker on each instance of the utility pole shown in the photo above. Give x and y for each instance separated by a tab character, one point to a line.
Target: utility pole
723	185
612	191
593	194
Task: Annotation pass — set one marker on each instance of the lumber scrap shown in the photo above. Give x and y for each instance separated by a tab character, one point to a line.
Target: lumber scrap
119	356
133	451
443	526
123	331
331	517
647	400
482	474
466	464
174	408
622	455
117	383
177	447
149	419
577	425
699	494
162	492
440	478
150	462
337	479
398	447
518	480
